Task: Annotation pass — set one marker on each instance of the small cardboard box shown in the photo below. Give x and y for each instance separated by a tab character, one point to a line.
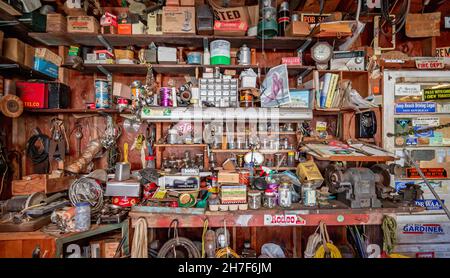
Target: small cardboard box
82	24
178	20
14	49
308	171
298	29
48	55
230	28
56	23
29	56
228	177
154	22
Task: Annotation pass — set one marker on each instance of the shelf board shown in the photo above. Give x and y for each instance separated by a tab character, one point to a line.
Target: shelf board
272	168
341	215
10	68
179	145
356	158
246	151
75	111
86	39
17	29
178	68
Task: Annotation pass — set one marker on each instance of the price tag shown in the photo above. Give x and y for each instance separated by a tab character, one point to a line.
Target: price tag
408	90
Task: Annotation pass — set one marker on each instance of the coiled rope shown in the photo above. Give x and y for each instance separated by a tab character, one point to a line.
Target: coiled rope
139	248
170	246
389	227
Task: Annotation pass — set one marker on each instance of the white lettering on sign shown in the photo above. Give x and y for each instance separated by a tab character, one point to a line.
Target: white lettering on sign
426	121
408	90
283	220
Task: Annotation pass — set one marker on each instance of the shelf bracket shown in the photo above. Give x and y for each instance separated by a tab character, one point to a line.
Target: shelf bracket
105	43
302	75
302	48
105	72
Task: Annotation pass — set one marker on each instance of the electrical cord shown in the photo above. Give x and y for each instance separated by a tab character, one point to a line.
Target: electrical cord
86	190
226	253
400	18
38	156
169	248
139	248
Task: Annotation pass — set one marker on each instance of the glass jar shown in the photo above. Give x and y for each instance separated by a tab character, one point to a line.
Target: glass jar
309	195
254	199
270	199
82	216
291	159
285	195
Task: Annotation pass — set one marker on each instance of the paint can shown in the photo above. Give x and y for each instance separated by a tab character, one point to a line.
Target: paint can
102	94
244	56
246	98
194	58
220	52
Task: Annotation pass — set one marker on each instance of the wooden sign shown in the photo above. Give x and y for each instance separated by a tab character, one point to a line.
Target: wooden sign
312	18
431	173
431	63
283	220
434	94
442	52
423	25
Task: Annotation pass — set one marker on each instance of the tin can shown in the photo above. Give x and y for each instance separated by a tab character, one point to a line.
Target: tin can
122	103
244	178
82	216
194	58
285	195
124	201
102	94
90	105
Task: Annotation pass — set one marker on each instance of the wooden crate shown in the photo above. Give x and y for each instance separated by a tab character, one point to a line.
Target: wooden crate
56	23
40	183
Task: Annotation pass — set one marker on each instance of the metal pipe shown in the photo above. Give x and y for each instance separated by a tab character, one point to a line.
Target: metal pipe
427	182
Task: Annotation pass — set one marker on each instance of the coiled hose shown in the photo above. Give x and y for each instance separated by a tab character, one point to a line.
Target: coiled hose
38	156
171	245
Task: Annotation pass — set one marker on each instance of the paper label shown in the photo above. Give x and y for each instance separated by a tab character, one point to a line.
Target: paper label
426	121
408	90
283	220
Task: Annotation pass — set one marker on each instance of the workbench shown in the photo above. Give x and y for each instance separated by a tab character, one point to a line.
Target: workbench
22	244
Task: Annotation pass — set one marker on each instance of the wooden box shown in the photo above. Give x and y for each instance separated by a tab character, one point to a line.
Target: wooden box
14	49
82	24
178	20
228	177
298	28
56	23
29	56
40	183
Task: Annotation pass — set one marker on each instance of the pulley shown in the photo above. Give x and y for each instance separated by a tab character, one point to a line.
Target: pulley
11	106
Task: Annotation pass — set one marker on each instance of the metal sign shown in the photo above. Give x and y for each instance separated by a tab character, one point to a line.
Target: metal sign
435	94
415	107
430	63
442	52
429	204
420	229
431	173
283	220
313	18
408	90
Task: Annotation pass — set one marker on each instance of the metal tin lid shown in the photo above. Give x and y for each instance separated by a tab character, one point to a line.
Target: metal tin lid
254	193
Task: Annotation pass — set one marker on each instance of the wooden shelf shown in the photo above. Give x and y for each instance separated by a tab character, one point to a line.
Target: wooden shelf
76	111
63	38
272	168
10	68
356	158
339	216
246	151
17	29
179	145
178	69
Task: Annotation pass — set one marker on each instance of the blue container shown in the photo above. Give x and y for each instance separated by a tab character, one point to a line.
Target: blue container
102	94
46	67
194	58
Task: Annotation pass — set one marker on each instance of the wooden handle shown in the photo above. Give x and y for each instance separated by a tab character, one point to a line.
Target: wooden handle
125	152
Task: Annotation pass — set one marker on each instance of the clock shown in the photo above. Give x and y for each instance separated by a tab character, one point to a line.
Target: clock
321	52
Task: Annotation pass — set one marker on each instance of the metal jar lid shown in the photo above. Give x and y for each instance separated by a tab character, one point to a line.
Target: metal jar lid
254	193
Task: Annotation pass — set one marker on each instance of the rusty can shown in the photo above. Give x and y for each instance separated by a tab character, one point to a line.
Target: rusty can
244	178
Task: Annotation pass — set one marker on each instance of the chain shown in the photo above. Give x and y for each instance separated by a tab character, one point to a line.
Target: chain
411	131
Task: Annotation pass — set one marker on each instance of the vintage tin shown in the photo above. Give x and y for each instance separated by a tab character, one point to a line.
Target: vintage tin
124	201
194	58
102	94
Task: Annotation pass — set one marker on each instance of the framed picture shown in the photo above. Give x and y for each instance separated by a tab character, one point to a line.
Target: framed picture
300	98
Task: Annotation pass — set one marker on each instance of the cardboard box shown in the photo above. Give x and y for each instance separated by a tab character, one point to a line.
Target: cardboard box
178	20
82	24
46	67
154	22
308	171
230	28
172	3
167	55
56	23
121	90
124	29
14	49
228	177
29	56
233	194
123	54
48	55
298	29
104	248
